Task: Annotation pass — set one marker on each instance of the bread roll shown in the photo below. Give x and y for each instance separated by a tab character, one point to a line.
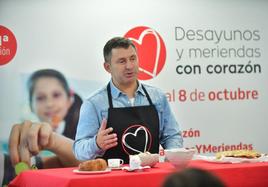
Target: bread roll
148	159
238	154
93	165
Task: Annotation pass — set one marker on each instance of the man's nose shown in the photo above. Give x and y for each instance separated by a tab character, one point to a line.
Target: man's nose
129	64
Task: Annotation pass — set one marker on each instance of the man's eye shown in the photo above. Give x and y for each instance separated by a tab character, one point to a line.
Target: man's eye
133	59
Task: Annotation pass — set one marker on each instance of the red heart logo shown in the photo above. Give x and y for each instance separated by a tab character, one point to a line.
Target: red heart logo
8	45
151	51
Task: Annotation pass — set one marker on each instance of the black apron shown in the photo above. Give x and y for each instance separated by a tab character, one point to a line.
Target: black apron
137	129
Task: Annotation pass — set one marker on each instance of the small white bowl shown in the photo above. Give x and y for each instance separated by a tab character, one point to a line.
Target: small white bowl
179	157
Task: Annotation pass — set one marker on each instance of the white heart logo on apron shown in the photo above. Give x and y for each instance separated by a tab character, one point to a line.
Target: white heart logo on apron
135	135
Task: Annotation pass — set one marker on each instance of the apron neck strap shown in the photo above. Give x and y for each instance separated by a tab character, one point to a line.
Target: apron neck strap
110	95
147	95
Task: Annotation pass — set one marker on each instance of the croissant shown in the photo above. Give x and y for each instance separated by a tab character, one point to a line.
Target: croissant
98	164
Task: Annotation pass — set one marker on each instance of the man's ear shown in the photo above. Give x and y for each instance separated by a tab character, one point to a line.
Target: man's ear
107	67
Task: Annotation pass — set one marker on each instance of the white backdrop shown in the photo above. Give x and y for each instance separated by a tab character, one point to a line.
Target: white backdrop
69	36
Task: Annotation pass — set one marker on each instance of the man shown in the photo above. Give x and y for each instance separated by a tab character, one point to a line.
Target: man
138	116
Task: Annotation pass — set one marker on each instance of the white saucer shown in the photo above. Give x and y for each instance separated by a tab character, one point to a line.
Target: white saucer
115	168
108	170
141	168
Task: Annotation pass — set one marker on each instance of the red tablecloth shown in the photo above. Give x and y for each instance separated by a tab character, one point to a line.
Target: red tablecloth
244	174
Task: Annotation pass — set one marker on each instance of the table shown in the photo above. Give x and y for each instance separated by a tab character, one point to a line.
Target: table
233	175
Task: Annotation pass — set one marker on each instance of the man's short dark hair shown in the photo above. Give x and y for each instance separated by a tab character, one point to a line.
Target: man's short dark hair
116	42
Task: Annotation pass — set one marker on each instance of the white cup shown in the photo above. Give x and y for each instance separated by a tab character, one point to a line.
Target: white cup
115	162
134	162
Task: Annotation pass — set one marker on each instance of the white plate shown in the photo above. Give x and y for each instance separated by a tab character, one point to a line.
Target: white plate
139	169
91	172
209	159
117	168
263	158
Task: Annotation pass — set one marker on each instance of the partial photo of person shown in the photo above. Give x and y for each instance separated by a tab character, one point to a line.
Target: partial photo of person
57	108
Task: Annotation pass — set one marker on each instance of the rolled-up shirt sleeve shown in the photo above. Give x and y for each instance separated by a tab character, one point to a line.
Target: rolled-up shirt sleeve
85	145
170	136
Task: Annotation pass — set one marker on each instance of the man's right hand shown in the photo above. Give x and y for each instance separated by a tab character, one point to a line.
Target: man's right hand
105	140
28	139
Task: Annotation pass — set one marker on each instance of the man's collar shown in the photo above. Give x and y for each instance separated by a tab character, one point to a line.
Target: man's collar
116	92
